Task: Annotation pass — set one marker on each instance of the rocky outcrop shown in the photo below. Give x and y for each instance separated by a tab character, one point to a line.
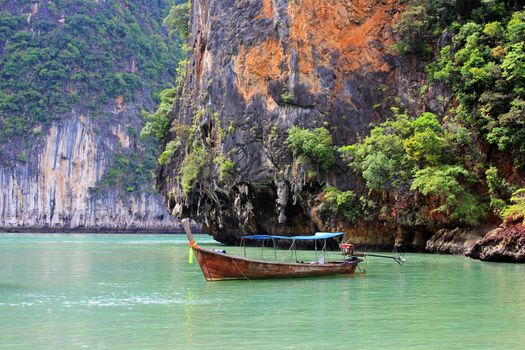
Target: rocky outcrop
52	192
505	243
258	67
456	241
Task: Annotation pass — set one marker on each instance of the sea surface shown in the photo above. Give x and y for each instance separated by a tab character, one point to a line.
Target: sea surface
140	292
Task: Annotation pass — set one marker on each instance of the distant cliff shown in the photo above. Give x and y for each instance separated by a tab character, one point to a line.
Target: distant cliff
76	78
54	194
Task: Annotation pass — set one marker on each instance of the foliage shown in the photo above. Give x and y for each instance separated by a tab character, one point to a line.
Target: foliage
226	166
427	146
417	155
157	124
78	56
423	22
191	167
177	20
182	70
169	151
517	208
479	53
499	190
342	203
414	32
485	66
82	57
313	145
131	171
21	157
446	182
287	97
381	157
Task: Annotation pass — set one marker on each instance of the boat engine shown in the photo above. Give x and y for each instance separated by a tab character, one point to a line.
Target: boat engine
347	249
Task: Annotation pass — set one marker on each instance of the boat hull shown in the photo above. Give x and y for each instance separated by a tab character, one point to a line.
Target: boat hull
220	266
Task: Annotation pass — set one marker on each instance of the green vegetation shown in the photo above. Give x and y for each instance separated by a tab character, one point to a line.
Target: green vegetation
226	166
188	145
381	157
131	171
517	208
342	203
287	97
158	123
313	145
423	22
418	155
413	31
78	56
191	167
83	57
447	183
169	152
484	63
485	66
477	49
177	20
499	190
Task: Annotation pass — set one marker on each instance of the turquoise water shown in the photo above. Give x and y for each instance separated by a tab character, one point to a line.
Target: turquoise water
139	292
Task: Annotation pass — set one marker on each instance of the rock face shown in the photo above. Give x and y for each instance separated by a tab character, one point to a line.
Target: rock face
505	243
54	194
457	241
258	67
53	161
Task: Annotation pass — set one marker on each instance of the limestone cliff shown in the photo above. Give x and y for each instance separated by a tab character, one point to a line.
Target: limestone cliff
256	68
53	192
75	79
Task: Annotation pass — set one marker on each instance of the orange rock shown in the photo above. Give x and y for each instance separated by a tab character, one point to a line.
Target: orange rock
257	66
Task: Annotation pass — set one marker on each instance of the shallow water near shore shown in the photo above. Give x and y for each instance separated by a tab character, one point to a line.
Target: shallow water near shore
139	292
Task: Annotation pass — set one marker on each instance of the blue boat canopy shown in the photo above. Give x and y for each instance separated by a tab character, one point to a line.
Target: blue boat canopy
317	236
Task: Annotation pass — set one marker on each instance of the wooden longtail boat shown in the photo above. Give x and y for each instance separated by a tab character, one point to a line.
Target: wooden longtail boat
217	265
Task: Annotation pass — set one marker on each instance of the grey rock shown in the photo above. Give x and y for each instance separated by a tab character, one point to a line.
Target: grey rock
335	65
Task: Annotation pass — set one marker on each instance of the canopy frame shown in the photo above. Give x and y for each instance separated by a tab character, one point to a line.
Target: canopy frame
293	246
